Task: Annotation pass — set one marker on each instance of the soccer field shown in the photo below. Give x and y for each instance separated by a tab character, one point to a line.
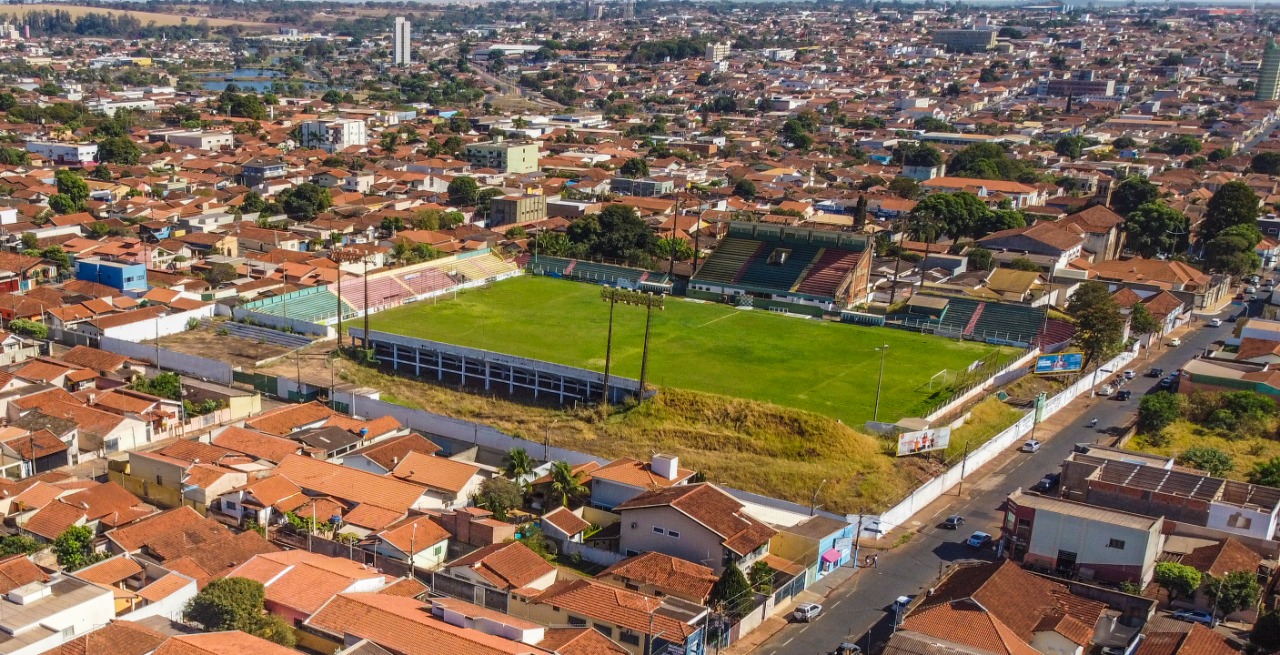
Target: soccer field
820	366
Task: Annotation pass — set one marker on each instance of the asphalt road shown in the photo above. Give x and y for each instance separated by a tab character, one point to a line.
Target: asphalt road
858	611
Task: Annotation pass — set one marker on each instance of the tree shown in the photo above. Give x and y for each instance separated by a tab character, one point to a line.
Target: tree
1132	194
1124	143
14	157
670	247
959	214
18	544
1070	146
1231	251
1266	473
332	96
761	578
981	259
1210	460
72	186
305	200
860	213
119	150
463	191
29	328
990	161
1234	591
1157	410
1177	579
618	232
63	204
1267	163
1099	322
1024	264
635	167
904	187
1234	203
253	203
101	173
1183	145
500	496
1156	229
744	188
237	604
30	241
163	385
74	548
220	273
519	465
923	155
732	593
566	482
1141	321
1266	632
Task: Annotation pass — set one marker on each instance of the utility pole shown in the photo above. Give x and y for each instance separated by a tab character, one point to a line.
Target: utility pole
963	463
813	504
857	536
875	416
342	256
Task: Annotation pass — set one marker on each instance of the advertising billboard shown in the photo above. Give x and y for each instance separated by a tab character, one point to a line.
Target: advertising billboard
1060	363
922	441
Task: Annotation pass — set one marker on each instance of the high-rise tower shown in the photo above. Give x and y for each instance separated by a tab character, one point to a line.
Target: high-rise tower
404	42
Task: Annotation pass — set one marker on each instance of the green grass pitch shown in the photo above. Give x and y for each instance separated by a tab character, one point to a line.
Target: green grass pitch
820	366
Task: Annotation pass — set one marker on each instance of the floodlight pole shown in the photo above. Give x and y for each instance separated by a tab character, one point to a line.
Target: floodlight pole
644	357
612	299
365	259
343	256
875	416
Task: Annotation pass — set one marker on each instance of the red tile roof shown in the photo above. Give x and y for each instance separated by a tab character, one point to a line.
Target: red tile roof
510	565
714	509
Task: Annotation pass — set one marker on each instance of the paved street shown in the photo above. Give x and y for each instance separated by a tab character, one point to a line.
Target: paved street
858	609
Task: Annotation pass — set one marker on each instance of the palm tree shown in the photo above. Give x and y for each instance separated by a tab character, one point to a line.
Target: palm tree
566	482
519	465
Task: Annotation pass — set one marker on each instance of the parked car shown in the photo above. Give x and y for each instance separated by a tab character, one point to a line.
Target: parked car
1048	483
954	521
1123	394
899	606
806	612
1166	383
1031	446
1251	289
1217	322
978	540
1130	374
1155	372
1196	616
1175	342
847	649
1106	390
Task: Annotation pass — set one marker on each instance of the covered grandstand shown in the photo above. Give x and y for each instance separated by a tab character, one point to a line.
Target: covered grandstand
386	288
786	268
981	320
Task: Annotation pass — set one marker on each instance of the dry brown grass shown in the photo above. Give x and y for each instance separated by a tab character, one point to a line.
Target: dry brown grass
758	447
145	16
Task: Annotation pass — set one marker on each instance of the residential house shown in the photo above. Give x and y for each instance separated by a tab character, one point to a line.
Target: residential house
383	457
299	583
504	566
639	623
696	522
659	575
625	478
448	483
141	589
1049	245
1102	230
819	543
417	540
183	541
42	615
1146	276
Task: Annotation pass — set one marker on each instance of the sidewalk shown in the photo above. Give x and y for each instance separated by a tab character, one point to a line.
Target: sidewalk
816	593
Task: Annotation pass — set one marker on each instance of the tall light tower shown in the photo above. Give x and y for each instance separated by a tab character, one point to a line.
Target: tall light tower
615	295
343	256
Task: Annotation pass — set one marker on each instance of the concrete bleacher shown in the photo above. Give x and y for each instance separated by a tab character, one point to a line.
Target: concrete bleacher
383	291
483	267
425	281
727	261
259	333
828	272
784	275
547	265
610	274
313	307
958	315
1009	322
1056	331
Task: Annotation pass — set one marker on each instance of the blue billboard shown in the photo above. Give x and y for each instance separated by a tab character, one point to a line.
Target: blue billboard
1060	363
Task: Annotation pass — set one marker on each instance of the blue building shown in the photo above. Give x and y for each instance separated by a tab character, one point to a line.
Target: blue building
128	278
820	544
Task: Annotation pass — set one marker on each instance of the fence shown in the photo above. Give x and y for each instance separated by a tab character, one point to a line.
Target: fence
934	488
956	331
199	367
1013	371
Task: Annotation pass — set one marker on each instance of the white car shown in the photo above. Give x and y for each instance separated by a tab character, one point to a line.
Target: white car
1130	374
1175	342
1251	289
806	612
1217	322
1031	446
1106	390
